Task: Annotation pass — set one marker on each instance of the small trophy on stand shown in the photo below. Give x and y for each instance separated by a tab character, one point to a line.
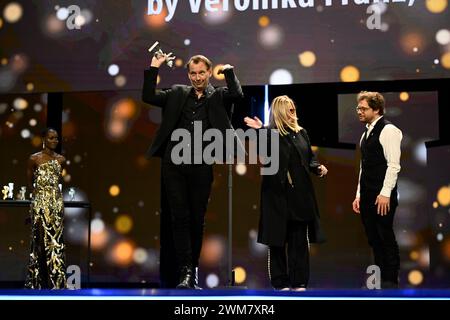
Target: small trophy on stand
11	191
21	195
155	49
71	194
5	192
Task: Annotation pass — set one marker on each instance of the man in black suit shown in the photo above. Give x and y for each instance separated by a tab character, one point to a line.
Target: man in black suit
186	184
376	195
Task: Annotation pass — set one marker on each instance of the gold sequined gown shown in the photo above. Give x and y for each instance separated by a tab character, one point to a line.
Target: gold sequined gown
47	268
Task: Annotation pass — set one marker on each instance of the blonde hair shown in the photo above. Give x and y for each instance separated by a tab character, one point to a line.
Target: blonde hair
283	115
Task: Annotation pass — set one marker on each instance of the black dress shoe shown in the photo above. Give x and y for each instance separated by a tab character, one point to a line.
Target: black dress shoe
186	278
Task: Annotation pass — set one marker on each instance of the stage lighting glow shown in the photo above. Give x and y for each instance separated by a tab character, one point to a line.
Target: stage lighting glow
124	224
37	107
120	81
281	76
212	251
443	37
114	190
36	141
241	169
439	237
216	17
97	225
415	277
212	280
350	74
3	107
123	253
411	42
435	204
264	21
187	42
30	86
12	12
54	26
62	13
113	70
80	20
240	274
436	6
307	59
20	104
271	37
443	196
179	62
25	133
414	255
99	239
140	255
32	122
445	60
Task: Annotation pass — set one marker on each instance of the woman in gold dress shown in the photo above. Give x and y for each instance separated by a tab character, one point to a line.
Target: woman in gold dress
46	268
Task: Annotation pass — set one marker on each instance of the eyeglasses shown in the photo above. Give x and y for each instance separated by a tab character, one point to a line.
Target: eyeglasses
362	109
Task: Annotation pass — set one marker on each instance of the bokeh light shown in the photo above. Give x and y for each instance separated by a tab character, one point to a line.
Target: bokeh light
12	12
412	42
271	37
20	104
123	253
415	277
212	280
114	190
281	76
443	196
240	274
443	37
212	251
263	21
307	59
97	225
156	21
140	255
124	224
436	6
404	96
99	240
216	17
113	70
350	74
241	169
445	60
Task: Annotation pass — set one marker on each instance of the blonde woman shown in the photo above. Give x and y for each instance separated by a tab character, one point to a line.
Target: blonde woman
289	212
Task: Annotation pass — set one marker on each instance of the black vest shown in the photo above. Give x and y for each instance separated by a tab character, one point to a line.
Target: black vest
373	162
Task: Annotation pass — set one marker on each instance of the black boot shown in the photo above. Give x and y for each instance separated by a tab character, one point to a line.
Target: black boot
186	278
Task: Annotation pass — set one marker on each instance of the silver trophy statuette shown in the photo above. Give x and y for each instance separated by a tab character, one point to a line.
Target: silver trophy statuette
22	193
11	191
155	49
71	194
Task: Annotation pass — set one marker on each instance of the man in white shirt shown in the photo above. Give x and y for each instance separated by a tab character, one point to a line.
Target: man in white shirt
376	196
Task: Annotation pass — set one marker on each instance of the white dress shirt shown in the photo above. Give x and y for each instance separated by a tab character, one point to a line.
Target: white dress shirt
390	140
